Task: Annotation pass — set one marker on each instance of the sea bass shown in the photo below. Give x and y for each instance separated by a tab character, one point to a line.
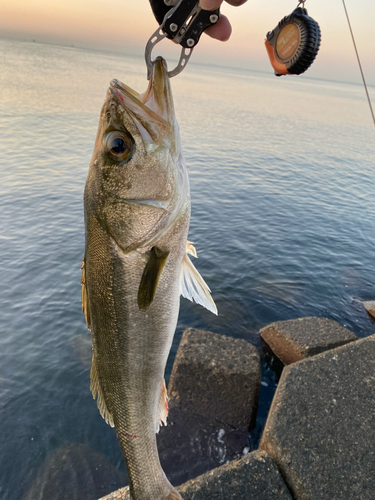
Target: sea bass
136	265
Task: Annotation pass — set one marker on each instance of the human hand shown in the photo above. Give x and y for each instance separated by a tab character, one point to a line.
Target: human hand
222	29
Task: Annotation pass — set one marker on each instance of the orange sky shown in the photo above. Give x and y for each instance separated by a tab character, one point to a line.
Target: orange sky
125	26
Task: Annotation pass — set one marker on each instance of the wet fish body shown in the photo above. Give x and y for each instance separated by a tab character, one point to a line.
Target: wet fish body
137	210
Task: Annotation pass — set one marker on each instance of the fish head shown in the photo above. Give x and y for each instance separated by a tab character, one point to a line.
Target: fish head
137	182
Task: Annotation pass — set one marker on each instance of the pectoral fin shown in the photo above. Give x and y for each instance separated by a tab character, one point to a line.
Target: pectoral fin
84	297
97	391
193	286
150	277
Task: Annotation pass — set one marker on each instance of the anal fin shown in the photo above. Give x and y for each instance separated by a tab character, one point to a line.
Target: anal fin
174	496
162	413
97	391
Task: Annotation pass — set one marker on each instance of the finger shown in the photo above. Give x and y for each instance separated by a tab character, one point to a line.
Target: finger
221	30
210	4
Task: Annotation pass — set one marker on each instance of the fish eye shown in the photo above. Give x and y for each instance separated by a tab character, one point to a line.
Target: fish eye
118	145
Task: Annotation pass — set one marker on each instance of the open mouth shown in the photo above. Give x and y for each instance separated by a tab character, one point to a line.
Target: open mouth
154	97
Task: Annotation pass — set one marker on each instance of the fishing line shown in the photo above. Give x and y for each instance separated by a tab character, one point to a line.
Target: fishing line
359	63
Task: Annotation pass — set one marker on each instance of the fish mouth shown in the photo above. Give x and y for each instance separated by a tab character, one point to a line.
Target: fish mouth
156	100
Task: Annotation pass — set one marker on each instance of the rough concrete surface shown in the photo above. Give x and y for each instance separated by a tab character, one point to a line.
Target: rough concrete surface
253	477
370	307
191	445
292	340
321	427
217	377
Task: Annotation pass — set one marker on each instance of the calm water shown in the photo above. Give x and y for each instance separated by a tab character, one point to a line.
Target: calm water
283	210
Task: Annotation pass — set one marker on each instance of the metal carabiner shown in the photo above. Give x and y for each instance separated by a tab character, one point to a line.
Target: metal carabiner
184	23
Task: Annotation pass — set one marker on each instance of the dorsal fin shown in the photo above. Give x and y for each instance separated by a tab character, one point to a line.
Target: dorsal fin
192	285
84	296
97	391
150	277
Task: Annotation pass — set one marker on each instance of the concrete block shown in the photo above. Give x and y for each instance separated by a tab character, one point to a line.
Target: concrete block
321	427
217	377
370	307
191	445
292	340
255	477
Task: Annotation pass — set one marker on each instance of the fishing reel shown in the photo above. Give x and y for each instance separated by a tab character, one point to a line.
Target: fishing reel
293	45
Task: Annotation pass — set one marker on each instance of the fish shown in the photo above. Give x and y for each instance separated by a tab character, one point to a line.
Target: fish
136	266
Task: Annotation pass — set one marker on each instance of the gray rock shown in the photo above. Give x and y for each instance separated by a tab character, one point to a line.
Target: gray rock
255	477
321	427
292	340
217	377
191	445
370	307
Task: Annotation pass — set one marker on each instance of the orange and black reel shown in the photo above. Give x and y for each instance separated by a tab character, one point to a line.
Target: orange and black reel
293	45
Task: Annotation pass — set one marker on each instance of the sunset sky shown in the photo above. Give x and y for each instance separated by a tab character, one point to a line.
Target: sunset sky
125	26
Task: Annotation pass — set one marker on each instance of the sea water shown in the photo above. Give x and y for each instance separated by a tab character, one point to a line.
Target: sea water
281	174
